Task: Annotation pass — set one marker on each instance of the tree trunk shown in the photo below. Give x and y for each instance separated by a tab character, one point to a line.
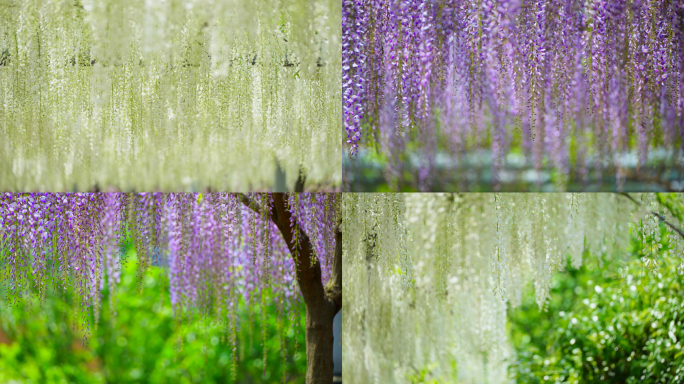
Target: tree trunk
322	303
319	344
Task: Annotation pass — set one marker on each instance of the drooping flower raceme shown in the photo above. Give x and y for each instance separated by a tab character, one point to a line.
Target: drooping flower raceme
169	95
576	86
431	275
218	251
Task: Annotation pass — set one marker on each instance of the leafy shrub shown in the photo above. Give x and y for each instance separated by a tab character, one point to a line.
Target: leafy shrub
42	343
624	324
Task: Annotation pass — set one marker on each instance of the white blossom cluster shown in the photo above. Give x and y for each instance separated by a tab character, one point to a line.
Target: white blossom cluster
428	277
171	95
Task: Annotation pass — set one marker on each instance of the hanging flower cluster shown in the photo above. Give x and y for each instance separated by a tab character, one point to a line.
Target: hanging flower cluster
218	250
432	274
169	95
576	86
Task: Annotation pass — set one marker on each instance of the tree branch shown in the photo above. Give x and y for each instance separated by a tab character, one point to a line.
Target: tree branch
308	269
656	214
250	204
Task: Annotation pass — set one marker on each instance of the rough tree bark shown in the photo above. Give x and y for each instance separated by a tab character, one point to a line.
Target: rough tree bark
322	303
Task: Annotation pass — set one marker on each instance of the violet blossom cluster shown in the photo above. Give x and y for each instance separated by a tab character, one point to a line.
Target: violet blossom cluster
218	250
576	85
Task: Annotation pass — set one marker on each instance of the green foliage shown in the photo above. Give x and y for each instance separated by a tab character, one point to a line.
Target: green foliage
674	207
425	374
422	376
43	343
614	320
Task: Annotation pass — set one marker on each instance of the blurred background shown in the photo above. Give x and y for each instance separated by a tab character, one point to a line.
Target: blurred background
369	172
43	343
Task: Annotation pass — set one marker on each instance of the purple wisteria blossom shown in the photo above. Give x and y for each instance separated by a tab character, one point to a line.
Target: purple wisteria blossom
218	249
577	86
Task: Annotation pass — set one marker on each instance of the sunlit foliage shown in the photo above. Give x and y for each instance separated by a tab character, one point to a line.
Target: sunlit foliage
40	342
613	320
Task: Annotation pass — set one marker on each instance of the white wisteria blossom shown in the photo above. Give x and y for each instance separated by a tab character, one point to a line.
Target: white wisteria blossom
429	278
170	95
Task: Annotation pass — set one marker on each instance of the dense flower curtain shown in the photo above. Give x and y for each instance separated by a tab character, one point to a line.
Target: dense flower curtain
175	95
429	277
218	250
585	88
